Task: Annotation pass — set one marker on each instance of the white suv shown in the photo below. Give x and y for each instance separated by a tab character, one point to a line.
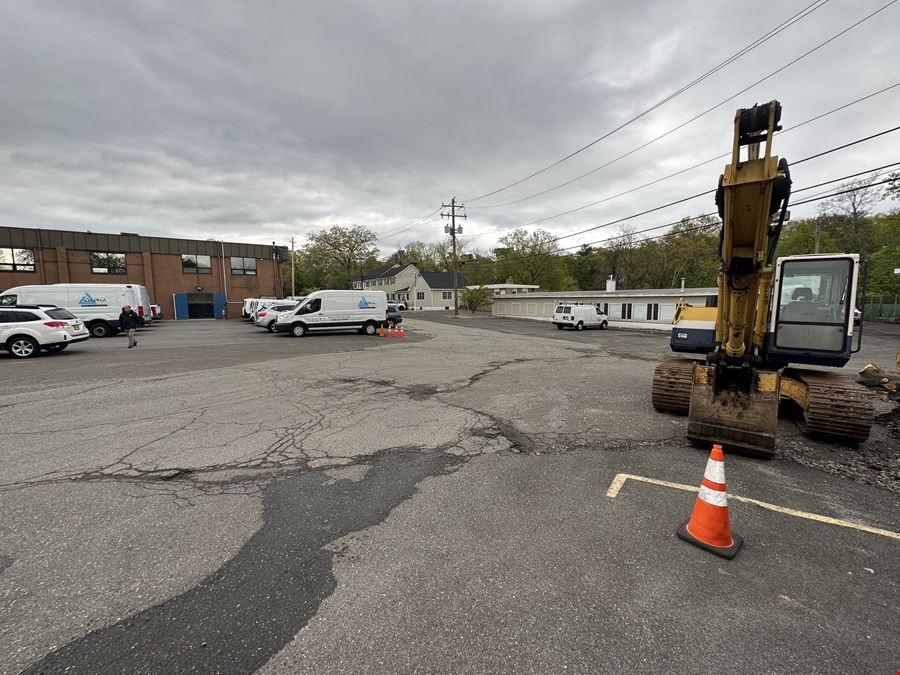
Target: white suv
266	316
27	329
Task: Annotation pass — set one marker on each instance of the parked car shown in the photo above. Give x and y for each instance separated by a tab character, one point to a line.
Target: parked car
578	316
401	305
156	312
392	315
266	317
27	329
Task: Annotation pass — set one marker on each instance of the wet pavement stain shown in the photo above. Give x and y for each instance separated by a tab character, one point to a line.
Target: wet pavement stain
240	616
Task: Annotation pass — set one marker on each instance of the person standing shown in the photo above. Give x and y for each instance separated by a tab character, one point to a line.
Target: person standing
129	321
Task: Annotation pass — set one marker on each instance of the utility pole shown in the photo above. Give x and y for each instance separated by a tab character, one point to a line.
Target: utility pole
453	230
293	283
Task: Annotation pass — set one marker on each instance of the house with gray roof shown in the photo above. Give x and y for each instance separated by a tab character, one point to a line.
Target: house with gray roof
416	289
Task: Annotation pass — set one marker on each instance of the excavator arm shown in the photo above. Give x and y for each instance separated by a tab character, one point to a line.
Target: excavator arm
732	400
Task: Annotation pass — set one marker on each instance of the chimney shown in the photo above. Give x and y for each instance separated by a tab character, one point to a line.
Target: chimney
610	284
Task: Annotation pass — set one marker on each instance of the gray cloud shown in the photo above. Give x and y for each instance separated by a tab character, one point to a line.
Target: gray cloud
258	121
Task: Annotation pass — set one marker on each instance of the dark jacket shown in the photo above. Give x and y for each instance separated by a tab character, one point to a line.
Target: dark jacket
129	320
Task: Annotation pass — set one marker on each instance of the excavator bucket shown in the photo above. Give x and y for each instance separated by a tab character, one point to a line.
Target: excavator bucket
737	408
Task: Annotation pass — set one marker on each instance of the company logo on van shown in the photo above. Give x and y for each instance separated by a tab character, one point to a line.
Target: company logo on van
88	300
365	304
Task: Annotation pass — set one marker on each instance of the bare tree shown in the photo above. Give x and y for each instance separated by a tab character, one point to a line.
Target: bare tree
857	201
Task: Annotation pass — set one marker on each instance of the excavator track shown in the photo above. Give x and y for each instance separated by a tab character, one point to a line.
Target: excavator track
672	382
836	408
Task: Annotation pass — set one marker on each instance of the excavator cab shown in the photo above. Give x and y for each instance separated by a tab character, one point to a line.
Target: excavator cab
811	315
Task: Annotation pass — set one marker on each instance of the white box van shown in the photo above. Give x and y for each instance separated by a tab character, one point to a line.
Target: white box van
578	316
363	311
97	305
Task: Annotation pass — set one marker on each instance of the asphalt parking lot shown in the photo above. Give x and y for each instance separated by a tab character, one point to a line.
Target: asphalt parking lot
224	500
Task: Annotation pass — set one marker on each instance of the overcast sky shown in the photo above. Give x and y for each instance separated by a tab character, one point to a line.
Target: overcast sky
260	120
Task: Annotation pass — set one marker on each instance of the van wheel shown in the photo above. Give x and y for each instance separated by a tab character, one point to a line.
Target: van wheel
23	347
579	325
271	326
604	326
560	326
100	329
298	330
369	328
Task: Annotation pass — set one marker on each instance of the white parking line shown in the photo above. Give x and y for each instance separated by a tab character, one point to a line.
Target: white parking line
620	479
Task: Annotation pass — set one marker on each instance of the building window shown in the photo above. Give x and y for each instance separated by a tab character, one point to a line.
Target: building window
626	310
243	265
16	260
653	311
107	263
446	295
420	295
196	264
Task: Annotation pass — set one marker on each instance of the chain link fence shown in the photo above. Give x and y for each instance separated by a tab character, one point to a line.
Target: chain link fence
882	308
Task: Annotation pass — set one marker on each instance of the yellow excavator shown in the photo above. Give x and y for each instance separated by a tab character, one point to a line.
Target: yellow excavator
768	315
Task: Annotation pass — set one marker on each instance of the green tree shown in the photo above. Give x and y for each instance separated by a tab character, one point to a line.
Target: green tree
531	259
587	268
478	267
475	298
342	253
799	238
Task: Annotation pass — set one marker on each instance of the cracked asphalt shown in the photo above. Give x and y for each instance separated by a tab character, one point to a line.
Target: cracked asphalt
225	500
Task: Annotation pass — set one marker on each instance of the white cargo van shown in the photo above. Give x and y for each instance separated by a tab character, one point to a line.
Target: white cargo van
97	305
363	311
248	309
578	316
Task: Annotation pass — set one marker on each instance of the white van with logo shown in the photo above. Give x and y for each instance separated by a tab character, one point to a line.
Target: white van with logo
579	316
363	311
97	305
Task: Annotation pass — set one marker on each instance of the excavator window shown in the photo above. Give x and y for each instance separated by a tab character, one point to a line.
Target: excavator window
812	314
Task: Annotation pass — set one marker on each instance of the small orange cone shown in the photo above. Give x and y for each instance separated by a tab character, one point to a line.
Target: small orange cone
381	332
402	335
709	526
390	331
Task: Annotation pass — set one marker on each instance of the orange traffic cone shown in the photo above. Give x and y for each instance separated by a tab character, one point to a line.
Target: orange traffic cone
381	331
709	527
390	331
402	335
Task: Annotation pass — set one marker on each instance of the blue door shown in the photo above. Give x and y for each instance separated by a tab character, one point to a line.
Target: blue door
219	305
181	306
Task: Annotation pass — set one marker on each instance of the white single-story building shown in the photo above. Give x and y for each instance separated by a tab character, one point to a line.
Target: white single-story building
646	308
415	288
508	288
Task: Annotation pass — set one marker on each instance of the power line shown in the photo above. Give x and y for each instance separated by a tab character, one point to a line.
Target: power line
684	199
717	223
806	11
678	173
413	224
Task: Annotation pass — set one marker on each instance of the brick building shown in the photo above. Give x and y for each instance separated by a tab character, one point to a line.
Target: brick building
209	273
